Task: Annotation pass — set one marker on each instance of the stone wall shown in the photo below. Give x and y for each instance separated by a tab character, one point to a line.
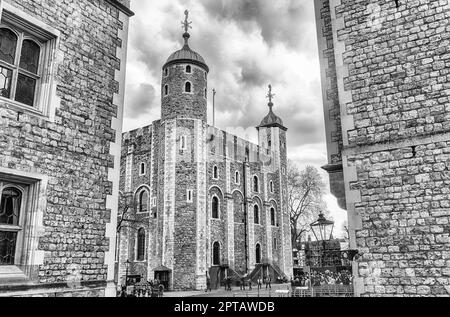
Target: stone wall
391	65
74	144
178	104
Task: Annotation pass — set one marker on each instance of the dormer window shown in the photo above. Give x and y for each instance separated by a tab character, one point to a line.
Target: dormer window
188	87
188	69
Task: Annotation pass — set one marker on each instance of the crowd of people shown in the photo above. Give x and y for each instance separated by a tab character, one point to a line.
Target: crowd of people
152	288
323	278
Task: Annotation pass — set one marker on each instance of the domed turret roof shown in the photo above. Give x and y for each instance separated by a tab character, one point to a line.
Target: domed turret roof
186	54
271	120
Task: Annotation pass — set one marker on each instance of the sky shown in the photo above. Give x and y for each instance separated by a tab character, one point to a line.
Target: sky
247	44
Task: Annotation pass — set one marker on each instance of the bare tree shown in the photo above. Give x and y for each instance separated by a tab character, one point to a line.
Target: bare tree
305	199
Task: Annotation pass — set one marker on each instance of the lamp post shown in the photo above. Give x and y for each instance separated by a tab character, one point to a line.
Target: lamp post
323	229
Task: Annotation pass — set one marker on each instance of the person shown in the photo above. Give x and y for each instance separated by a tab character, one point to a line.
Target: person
243	283
161	290
228	284
249	284
268	281
259	283
208	284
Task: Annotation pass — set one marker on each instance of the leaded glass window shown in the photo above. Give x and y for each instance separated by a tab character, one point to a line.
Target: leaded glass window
20	56
10	225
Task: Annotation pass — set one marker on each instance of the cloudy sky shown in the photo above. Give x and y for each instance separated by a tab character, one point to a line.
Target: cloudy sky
247	44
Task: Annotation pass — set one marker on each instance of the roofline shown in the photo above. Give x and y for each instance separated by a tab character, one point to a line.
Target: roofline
121	7
186	60
272	125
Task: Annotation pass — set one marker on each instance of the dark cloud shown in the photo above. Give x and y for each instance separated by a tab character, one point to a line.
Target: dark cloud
140	100
279	21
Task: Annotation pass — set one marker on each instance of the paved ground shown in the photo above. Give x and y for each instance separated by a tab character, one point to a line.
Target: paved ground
236	292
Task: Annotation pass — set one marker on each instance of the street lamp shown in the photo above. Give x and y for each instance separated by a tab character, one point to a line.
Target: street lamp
322	228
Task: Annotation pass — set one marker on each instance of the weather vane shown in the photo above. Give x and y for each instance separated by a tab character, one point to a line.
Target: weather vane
186	24
270	95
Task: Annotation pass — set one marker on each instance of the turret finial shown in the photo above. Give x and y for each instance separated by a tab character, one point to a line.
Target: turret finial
270	96
186	26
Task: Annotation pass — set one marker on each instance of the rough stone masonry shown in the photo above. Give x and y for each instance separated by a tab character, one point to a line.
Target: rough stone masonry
64	152
386	93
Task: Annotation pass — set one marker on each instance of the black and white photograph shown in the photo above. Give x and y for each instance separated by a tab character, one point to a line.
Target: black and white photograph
224	155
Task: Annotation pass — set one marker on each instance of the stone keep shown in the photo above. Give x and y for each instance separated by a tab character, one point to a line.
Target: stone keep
62	148
186	171
385	80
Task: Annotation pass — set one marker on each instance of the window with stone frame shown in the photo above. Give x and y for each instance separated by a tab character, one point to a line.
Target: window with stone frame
142	169
256	214
237	178
215	208
271	187
142	201
12	219
188	69
258	253
255	184
272	216
187	87
140	243
216	253
189	195
183	142
26	63
20	214
215	172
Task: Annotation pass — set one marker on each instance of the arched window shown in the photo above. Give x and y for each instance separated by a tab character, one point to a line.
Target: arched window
166	90
256	214
215	207
255	184
166	72
271	186
215	172
258	253
272	216
188	69
142	169
237	178
143	201
187	87
140	252
216	253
